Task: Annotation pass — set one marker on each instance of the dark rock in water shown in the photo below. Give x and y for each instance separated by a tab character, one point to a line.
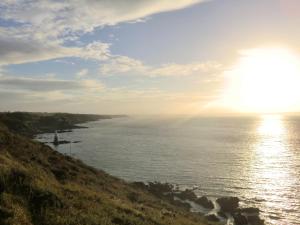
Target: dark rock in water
250	210
255	220
228	204
159	189
212	217
61	142
239	219
76	142
223	215
187	195
64	131
205	202
273	217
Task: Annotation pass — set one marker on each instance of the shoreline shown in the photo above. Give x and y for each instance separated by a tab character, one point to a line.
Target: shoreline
222	210
208	207
38	182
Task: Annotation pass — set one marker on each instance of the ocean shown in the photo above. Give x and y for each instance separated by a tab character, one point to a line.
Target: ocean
254	158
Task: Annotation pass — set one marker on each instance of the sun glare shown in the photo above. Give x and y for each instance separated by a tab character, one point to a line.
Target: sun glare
265	80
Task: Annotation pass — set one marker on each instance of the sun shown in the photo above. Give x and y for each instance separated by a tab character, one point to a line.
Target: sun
265	80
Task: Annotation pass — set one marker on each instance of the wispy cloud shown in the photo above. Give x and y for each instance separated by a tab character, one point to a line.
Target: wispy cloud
69	17
125	65
38	30
16	51
44	85
82	73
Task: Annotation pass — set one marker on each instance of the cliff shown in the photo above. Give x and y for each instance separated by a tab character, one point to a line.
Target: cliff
39	186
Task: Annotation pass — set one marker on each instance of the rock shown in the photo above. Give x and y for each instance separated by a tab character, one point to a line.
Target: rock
223	215
139	184
239	219
64	131
250	210
187	195
205	202
228	204
255	220
61	142
159	189
212	217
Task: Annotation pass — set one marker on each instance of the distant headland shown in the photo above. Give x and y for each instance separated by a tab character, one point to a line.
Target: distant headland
32	123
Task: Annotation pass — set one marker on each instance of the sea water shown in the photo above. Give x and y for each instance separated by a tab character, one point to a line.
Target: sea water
254	158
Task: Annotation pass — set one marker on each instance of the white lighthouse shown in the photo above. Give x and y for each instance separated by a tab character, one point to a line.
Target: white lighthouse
55	141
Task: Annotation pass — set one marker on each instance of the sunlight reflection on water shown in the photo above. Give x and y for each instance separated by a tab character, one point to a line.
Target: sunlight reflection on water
272	171
256	159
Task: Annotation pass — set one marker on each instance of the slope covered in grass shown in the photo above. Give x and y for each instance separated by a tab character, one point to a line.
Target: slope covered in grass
41	186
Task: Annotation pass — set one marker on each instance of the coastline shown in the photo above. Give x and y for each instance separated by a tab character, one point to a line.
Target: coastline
222	210
31	124
39	185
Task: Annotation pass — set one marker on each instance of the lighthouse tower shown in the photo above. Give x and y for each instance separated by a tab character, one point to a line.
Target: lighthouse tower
55	141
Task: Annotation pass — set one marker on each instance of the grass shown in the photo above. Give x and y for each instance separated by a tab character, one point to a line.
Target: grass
39	186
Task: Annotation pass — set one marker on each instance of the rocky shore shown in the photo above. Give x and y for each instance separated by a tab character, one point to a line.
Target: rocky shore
225	210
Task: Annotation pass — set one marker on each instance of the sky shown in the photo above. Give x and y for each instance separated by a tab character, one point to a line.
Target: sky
132	56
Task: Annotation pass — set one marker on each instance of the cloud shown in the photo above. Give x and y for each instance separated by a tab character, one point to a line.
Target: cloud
125	65
106	100
49	29
120	65
38	30
16	51
46	85
82	73
63	18
95	50
197	68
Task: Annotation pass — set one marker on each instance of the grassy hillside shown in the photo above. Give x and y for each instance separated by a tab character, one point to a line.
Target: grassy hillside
29	124
43	187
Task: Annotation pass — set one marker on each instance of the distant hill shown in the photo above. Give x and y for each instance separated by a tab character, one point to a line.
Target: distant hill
28	124
40	186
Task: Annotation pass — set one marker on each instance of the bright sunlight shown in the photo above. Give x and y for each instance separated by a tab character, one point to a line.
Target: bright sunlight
265	80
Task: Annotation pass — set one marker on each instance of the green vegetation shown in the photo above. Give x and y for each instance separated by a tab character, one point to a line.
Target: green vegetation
39	186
